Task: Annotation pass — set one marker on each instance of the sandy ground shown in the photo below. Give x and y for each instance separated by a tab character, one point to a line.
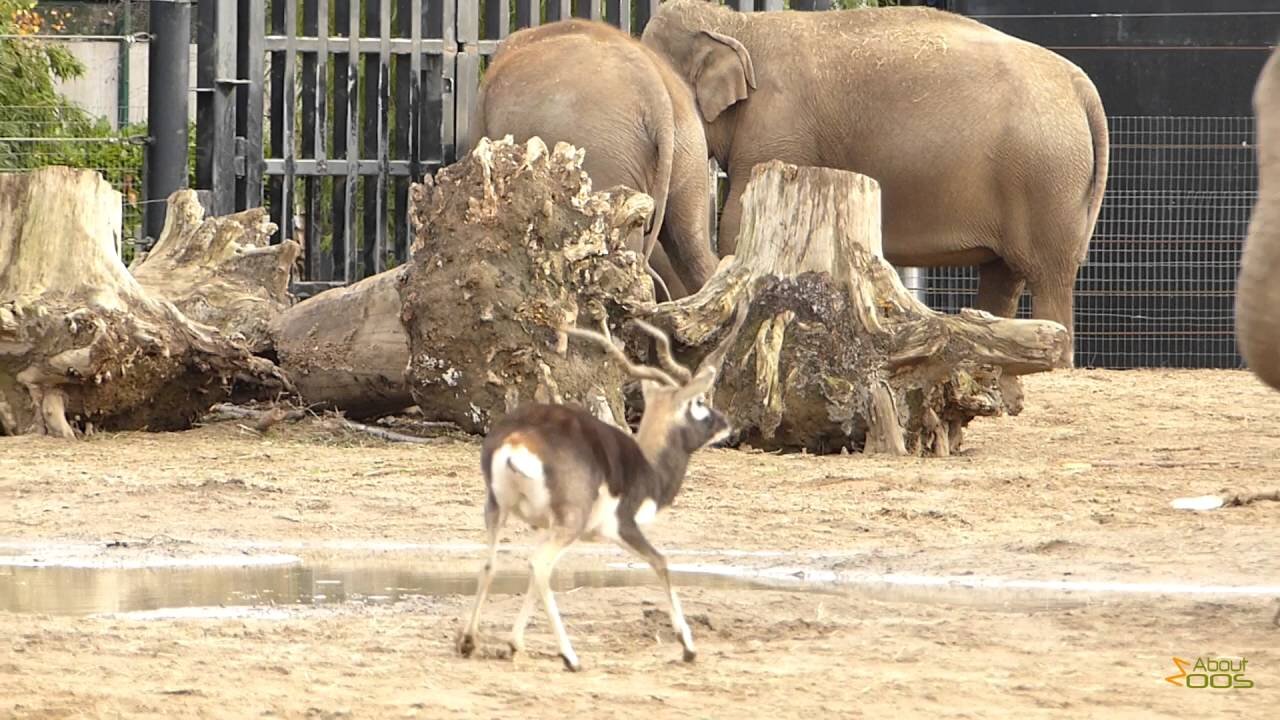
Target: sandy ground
1077	487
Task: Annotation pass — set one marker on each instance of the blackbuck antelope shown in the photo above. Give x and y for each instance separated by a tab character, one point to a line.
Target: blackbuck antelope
565	472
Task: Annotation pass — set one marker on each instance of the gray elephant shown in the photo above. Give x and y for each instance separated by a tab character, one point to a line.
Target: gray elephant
989	150
596	87
1258	291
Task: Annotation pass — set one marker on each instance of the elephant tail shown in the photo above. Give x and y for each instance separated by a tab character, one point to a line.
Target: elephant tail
664	135
1101	147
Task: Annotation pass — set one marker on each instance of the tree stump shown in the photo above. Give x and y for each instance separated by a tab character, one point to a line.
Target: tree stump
836	353
83	343
220	271
510	244
346	348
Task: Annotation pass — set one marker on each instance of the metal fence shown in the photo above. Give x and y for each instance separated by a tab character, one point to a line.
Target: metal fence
326	110
1158	286
36	136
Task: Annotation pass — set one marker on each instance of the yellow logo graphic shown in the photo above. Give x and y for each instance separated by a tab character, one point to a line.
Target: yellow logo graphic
1212	673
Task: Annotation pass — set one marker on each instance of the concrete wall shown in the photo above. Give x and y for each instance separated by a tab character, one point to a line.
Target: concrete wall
97	90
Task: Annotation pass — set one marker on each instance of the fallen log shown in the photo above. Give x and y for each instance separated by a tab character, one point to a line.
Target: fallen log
84	344
346	349
510	244
836	353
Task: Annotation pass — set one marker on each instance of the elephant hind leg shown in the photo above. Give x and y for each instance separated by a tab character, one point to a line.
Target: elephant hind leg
999	288
1053	299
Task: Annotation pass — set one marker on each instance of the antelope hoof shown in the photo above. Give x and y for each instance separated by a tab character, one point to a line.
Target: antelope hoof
690	655
466	645
514	650
571	665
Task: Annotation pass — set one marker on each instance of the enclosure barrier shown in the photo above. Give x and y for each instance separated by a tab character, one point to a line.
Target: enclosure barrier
326	110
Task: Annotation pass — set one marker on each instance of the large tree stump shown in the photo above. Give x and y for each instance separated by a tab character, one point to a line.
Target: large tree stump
836	353
346	348
85	343
511	243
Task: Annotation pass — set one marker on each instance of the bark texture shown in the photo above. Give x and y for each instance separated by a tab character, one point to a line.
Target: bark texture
836	353
85	344
510	244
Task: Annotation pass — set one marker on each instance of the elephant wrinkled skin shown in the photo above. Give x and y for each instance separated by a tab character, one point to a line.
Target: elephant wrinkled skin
593	86
989	150
1258	292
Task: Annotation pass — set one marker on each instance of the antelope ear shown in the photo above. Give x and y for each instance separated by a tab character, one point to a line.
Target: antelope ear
702	383
724	74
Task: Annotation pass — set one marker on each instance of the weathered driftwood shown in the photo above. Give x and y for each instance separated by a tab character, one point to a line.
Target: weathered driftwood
511	243
83	343
220	271
836	353
347	349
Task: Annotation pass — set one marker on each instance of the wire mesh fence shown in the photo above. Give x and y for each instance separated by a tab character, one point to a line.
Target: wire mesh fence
37	136
1158	287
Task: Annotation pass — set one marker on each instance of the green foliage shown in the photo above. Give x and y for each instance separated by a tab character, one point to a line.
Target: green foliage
45	128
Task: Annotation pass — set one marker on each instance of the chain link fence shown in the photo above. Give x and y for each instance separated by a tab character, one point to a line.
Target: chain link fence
34	136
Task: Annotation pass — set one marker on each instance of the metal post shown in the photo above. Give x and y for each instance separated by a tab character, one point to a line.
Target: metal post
168	78
216	84
125	25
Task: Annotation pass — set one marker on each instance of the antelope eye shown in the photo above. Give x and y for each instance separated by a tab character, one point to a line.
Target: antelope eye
698	409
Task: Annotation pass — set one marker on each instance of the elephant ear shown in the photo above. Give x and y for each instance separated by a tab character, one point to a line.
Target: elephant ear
724	74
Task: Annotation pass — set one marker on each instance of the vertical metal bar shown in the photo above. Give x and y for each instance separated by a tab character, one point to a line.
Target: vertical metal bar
353	147
384	131
169	68
249	103
315	189
468	78
206	119
528	13
341	68
310	236
645	10
497	18
413	143
559	10
369	143
275	118
586	9
124	26
468	21
287	119
448	82
415	110
618	14
403	99
467	86
223	182
435	121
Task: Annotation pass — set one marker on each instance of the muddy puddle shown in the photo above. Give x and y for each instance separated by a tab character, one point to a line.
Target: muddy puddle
250	588
175	580
142	591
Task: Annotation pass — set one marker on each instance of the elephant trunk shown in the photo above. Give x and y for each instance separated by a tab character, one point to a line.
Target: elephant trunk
1258	290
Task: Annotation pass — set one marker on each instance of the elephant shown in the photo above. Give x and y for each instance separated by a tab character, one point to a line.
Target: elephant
1258	287
989	150
596	87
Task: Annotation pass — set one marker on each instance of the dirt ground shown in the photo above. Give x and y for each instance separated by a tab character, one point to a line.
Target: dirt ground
1077	487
